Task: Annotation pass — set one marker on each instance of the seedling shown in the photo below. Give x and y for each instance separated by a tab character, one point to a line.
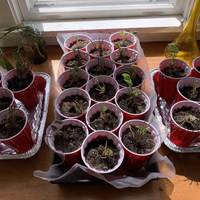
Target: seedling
107	152
78	42
77	56
194	91
173	49
121	53
100	66
132	73
100	48
77	106
101	89
122	33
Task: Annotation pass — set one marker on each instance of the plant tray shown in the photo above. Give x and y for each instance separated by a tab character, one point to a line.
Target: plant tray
162	111
36	117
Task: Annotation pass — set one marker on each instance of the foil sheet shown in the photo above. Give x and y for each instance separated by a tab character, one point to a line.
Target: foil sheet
36	118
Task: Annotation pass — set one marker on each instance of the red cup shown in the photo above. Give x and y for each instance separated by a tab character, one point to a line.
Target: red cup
195	64
1	77
132	160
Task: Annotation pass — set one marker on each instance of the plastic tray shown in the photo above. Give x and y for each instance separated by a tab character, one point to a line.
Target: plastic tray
36	117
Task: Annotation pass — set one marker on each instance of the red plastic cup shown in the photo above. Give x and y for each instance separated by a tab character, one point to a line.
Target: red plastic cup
109	136
70	40
129	52
21	142
29	96
178	135
132	160
66	74
1	77
107	63
71	158
167	85
124	68
127	115
5	92
117	36
97	107
70	55
195	64
94	44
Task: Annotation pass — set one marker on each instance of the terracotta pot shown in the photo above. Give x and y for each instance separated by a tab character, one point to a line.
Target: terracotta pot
132	160
195	64
110	136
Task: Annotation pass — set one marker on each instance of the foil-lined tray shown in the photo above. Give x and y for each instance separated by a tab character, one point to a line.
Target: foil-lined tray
36	118
162	113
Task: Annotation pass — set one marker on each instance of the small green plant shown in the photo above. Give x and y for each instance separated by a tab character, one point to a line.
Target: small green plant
132	73
77	56
103	112
122	33
78	42
172	49
121	53
101	89
77	106
107	152
194	91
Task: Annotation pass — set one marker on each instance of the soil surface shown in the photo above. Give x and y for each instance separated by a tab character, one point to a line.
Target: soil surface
15	84
188	93
109	92
110	121
5	102
96	71
10	131
138	142
177	73
80	45
71	82
93	154
187	117
126	60
127	43
95	52
126	104
71	140
73	62
136	81
73	106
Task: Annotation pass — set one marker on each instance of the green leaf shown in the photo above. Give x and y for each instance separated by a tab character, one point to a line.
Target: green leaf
122	33
17	56
58	122
6	64
103	108
135	33
76	37
76	69
133	69
173	48
127	79
14	27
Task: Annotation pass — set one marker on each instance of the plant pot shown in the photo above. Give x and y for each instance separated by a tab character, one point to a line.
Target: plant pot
9	98
69	93
65	76
1	77
107	63
117	36
70	56
124	68
106	80
196	64
71	40
110	136
132	160
73	157
167	84
22	141
94	44
143	96
111	107
186	82
129	53
29	96
178	135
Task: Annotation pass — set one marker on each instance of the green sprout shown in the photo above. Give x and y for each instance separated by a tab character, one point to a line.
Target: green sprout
78	42
173	49
194	91
121	53
107	152
77	56
101	89
122	33
103	112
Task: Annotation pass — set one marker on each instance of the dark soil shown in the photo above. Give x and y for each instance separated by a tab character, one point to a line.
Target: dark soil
96	71
15	84
188	93
125	103
138	142
71	82
136	81
93	154
5	102
198	68
95	52
187	117
109	92
82	44
73	106
73	62
126	60
127	43
10	131
110	122
73	139
177	73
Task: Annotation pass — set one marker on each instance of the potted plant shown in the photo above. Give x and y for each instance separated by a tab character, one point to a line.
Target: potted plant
184	123
102	88
137	75
124	56
6	98
99	48
124	39
15	131
21	82
65	138
104	116
140	140
72	103
78	41
100	66
102	152
167	69
74	58
196	67
75	77
134	103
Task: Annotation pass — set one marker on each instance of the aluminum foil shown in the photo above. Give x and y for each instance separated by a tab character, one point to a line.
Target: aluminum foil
36	117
